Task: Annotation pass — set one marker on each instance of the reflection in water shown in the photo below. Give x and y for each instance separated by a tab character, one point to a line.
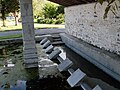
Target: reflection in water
14	72
20	85
13	75
95	75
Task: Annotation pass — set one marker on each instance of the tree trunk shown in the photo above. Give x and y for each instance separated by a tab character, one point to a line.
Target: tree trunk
3	22
16	18
15	21
3	17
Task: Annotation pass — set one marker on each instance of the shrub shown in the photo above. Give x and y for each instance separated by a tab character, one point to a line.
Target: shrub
52	14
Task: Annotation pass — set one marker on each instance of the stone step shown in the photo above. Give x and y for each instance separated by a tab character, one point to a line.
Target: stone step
31	65
76	77
30	60
29	56
56	36
57	39
60	59
46	44
30	51
43	41
85	86
57	43
97	88
49	49
54	54
65	65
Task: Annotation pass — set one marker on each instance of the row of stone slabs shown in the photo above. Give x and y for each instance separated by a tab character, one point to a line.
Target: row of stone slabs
77	77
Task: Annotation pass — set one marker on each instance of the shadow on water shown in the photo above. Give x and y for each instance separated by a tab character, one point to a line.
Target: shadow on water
54	83
91	70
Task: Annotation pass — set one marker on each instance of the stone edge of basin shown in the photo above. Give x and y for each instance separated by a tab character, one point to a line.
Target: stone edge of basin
107	61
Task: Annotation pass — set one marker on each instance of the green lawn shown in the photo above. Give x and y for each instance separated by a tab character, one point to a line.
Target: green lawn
10	26
11	36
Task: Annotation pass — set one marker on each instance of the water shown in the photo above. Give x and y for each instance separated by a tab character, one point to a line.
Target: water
95	75
14	76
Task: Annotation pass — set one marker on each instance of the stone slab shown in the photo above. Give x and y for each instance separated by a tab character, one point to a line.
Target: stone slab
43	41
41	37
30	51
31	65
63	66
60	59
28	56
71	71
76	78
54	54
85	86
29	46
46	44
97	88
57	43
31	60
49	49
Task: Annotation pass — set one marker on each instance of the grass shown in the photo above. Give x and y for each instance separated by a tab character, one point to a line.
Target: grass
10	26
11	36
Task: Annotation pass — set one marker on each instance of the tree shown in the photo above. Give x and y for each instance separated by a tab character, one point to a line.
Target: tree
112	5
3	11
8	6
51	10
14	8
37	8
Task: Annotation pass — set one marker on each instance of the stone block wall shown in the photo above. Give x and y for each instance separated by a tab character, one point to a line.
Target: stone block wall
86	23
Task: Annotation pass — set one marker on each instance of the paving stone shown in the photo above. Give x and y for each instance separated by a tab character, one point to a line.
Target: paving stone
63	66
76	78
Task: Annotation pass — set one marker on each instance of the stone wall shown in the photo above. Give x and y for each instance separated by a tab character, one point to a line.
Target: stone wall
83	22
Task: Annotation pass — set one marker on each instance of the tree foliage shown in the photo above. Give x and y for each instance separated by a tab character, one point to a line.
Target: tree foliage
8	6
112	5
51	10
37	8
52	14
